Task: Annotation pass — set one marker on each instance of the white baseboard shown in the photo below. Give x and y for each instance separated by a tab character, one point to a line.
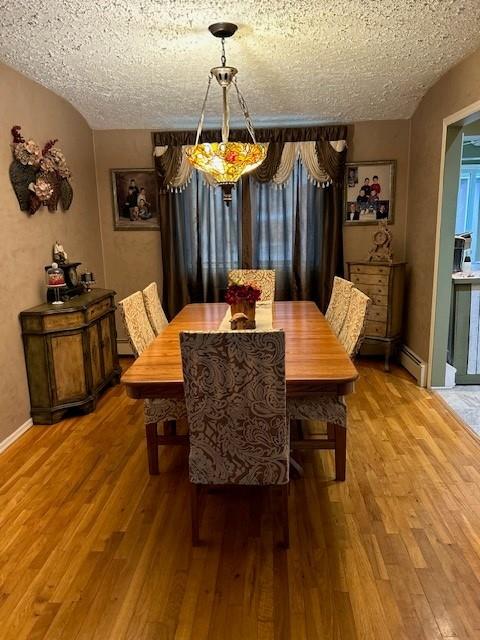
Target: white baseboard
414	365
15	435
124	348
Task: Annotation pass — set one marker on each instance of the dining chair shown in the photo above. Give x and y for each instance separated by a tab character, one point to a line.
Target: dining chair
330	408
353	329
338	305
264	279
235	396
156	315
169	410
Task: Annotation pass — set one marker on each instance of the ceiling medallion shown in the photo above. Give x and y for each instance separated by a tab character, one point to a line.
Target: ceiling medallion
225	161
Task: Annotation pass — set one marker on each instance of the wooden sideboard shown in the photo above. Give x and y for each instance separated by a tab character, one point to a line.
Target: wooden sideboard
70	353
384	284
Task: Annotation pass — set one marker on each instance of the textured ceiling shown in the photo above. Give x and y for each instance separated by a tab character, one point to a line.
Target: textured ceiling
144	63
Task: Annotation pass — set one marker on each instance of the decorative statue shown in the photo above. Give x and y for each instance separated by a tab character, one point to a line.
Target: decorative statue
382	240
59	253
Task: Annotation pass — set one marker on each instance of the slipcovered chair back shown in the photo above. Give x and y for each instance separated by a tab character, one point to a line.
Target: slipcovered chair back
235	395
264	279
339	302
353	330
155	312
135	320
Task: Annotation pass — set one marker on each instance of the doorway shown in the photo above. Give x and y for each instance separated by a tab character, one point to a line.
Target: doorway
455	344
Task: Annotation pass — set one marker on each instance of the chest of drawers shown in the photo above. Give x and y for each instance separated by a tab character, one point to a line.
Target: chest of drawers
384	284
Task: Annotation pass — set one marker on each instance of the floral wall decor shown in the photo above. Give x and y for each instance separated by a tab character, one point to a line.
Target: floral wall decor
40	177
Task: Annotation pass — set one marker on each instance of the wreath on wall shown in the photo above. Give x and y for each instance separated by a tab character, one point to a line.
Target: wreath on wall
40	177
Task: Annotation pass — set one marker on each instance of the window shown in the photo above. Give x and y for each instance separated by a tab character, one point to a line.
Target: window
468	207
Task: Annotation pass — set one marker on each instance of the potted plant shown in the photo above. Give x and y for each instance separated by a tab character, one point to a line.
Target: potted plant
242	298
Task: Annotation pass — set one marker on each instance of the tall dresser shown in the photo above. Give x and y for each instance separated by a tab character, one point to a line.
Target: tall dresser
384	284
70	353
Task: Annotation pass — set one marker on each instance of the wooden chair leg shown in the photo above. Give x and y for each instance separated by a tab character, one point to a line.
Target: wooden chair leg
340	452
195	506
330	431
284	515
152	448
170	428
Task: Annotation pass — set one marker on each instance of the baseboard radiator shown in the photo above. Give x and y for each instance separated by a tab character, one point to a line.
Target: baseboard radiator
414	365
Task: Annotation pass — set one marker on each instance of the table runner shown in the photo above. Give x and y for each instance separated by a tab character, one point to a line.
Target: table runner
263	318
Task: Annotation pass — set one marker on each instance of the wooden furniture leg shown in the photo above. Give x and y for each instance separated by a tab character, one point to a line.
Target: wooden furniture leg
284	515
340	452
170	428
388	353
330	431
336	439
152	448
195	505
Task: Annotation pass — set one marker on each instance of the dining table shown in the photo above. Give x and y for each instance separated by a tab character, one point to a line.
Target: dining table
315	360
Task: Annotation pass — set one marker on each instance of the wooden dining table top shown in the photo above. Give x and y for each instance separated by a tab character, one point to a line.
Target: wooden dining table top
315	361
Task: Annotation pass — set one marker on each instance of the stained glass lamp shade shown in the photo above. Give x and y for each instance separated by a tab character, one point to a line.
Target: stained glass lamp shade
225	161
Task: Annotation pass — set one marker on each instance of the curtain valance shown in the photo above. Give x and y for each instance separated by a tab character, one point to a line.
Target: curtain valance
320	151
284	134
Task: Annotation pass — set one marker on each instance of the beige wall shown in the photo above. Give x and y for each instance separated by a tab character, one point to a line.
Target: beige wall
380	140
27	240
455	90
132	258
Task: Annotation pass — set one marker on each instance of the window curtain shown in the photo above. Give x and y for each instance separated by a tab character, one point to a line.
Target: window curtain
286	215
201	241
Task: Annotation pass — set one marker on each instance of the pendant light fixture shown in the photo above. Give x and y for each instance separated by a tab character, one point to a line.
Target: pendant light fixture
225	161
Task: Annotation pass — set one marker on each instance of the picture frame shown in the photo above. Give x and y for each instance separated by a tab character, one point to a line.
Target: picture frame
131	211
369	192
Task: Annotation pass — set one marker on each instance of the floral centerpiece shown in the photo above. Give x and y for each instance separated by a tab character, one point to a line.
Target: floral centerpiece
242	298
40	177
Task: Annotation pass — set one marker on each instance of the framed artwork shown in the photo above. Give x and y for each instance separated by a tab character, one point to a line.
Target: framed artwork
135	199
369	192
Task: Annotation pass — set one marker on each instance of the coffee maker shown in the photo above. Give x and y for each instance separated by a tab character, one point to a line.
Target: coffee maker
463	242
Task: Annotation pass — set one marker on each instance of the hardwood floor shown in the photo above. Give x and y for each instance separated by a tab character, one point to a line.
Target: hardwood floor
91	547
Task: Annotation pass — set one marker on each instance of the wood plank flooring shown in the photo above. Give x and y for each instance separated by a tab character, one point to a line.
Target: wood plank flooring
92	548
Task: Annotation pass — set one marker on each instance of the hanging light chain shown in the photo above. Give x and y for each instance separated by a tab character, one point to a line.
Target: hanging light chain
202	115
244	108
223	58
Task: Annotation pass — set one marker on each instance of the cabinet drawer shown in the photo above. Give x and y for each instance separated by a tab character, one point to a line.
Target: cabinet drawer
376	329
377	313
373	269
372	290
99	308
63	320
378	299
369	278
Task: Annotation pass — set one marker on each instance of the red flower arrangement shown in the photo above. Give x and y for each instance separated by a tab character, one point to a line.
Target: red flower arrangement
240	293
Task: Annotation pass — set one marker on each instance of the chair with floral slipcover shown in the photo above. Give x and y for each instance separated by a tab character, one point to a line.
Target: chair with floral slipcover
338	305
264	279
353	329
330	408
235	395
156	315
168	411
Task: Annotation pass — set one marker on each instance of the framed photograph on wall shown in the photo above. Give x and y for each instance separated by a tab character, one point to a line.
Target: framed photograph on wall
135	199
369	192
